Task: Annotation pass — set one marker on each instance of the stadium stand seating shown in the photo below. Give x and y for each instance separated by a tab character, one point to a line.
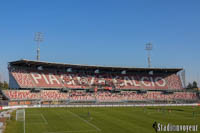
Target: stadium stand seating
22	77
53	95
81	96
105	96
108	97
134	96
43	95
53	79
20	95
83	84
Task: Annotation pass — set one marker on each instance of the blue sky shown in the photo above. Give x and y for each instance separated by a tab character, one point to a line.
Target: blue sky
103	32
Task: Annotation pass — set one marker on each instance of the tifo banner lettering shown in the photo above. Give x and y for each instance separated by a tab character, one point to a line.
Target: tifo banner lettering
77	80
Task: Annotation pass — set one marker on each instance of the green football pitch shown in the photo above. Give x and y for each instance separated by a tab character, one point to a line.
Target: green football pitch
101	119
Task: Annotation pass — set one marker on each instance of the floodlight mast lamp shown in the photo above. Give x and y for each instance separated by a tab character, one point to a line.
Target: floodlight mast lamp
149	49
38	39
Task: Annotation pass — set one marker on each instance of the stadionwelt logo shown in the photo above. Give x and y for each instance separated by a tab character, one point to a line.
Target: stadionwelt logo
174	128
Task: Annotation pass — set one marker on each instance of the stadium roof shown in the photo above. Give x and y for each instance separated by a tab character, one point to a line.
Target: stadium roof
31	63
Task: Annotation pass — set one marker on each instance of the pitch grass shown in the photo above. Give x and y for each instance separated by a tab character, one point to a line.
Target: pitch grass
102	120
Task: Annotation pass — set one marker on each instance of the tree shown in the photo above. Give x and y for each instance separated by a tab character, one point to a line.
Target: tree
4	85
194	85
189	86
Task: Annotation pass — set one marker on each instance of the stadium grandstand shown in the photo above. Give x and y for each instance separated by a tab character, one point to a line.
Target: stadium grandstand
36	82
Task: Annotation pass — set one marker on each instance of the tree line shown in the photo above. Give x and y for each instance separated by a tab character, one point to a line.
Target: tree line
3	85
192	86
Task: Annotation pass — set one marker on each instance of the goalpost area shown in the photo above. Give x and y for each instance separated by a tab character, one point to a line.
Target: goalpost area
100	119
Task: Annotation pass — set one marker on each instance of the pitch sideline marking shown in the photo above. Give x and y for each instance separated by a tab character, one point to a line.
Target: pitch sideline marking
85	121
32	114
73	131
45	120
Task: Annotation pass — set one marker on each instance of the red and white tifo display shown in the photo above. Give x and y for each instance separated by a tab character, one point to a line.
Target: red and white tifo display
52	79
